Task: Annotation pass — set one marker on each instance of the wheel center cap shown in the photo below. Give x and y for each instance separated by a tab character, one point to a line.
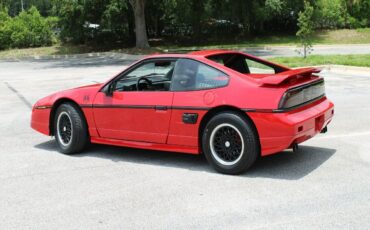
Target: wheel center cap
64	129
227	144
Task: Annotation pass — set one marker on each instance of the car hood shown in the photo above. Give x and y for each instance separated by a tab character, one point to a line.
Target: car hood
80	95
89	86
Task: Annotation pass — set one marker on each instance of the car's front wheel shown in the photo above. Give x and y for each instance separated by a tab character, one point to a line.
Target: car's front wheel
230	143
70	129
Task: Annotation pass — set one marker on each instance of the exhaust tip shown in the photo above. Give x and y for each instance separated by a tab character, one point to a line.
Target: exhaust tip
324	130
295	147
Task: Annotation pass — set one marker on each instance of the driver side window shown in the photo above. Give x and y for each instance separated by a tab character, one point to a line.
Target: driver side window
149	76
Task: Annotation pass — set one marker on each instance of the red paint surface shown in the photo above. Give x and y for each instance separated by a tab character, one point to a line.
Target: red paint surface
134	124
149	128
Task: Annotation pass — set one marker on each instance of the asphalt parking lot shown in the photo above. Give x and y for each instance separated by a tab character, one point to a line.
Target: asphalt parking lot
324	185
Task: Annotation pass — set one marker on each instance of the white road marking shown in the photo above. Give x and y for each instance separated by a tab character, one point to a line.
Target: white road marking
345	135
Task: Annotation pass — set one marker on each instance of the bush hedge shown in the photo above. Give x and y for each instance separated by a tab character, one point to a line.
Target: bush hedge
28	29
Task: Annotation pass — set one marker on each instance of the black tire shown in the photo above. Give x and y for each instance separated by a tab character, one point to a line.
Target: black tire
68	117
230	143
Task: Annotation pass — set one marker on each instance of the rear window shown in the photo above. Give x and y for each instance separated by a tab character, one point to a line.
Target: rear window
244	64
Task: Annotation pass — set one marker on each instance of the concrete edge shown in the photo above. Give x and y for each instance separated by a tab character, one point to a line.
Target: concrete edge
71	56
344	68
334	68
313	45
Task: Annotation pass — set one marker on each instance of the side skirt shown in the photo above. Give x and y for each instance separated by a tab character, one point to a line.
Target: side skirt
146	145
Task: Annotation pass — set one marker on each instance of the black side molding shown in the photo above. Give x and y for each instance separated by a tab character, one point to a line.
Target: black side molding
160	107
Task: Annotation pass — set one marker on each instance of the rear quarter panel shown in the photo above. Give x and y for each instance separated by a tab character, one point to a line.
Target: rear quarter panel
240	93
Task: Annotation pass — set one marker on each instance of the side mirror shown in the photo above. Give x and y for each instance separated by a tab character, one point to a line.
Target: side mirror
109	90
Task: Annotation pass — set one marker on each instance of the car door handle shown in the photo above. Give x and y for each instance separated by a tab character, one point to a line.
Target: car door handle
160	107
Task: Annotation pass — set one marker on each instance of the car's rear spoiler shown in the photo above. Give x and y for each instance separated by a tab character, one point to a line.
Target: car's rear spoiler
279	78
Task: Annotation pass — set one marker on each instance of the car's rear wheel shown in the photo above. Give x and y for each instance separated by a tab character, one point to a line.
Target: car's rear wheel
70	129
230	143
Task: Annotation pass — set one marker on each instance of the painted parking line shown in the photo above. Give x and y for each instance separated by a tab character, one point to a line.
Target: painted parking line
345	135
20	96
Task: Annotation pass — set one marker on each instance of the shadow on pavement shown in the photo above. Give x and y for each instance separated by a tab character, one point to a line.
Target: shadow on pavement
285	165
289	165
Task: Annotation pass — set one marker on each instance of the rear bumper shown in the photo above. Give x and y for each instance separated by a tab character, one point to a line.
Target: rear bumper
278	131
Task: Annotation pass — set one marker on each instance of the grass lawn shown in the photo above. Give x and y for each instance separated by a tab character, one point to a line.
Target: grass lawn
344	36
314	60
325	37
68	49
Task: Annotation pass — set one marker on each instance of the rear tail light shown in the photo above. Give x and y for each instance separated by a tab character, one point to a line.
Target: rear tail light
302	95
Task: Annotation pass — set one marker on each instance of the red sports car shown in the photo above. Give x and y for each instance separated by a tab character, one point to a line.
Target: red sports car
230	106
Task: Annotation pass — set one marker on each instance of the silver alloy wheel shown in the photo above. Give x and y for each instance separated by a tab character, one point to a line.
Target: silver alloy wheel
227	144
64	128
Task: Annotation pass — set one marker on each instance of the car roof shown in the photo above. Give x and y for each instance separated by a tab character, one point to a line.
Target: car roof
193	54
206	53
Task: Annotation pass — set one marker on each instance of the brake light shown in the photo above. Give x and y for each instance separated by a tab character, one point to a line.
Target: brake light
302	95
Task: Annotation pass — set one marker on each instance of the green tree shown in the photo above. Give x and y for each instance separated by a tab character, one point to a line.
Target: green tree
359	13
114	22
330	13
306	28
15	6
72	19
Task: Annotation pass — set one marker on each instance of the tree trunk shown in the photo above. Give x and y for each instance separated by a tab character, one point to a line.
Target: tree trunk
140	25
131	27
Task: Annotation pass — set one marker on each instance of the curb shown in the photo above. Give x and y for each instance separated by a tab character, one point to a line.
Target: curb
76	56
343	69
115	55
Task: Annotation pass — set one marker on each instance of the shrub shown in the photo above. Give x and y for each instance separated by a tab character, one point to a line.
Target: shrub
28	29
5	31
353	23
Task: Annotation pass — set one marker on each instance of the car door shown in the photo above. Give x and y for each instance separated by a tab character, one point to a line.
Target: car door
138	107
197	88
